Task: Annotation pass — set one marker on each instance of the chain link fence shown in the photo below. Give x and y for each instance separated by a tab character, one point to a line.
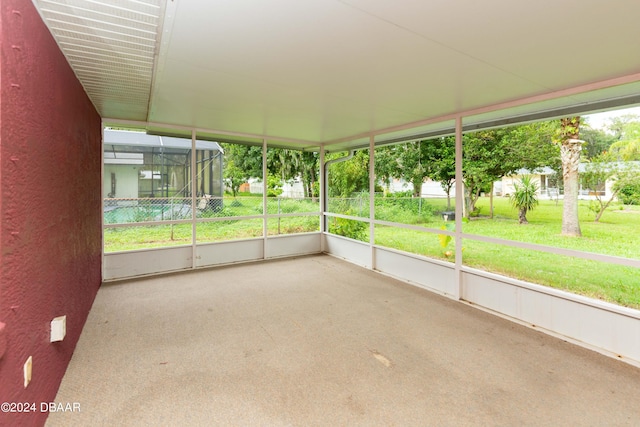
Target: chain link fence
133	210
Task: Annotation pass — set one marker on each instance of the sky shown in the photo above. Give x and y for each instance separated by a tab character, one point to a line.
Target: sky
599	120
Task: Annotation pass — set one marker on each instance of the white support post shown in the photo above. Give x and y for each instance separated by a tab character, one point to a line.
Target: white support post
102	200
372	208
264	199
194	213
323	199
459	209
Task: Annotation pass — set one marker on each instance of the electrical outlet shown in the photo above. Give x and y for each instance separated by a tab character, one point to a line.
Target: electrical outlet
27	371
58	328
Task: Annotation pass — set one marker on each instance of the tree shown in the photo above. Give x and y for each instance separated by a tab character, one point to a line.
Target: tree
596	141
241	163
282	163
443	160
291	164
386	165
309	170
626	151
531	146
626	133
487	158
348	177
625	127
491	154
406	161
570	147
414	162
234	177
525	197
601	170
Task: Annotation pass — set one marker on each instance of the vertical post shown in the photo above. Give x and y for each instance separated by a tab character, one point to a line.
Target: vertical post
372	207
459	209
102	199
264	199
323	199
194	247
171	207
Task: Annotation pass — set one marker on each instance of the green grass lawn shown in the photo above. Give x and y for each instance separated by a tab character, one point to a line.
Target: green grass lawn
617	234
155	236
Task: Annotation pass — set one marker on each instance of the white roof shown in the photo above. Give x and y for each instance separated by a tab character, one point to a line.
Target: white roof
334	72
140	140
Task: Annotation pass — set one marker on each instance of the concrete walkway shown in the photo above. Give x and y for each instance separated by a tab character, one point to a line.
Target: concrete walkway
318	341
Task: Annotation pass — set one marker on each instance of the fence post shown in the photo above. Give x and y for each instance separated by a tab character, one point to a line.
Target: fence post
171	207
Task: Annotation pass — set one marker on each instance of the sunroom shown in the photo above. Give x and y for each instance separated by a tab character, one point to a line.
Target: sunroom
327	86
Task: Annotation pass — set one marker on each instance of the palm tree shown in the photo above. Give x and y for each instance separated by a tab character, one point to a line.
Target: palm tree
525	197
570	147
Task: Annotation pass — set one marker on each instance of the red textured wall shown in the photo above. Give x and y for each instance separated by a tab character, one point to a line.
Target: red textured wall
50	235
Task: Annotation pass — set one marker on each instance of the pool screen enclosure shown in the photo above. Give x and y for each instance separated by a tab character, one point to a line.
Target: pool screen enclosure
151	170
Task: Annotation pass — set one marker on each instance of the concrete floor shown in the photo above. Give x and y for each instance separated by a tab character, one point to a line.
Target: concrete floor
319	341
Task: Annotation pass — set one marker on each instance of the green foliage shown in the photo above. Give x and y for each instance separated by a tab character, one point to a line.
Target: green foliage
626	127
627	150
596	143
403	208
569	128
274	186
598	172
630	193
491	154
234	177
243	162
315	189
524	197
594	207
445	239
286	205
350	176
416	161
351	228
309	172
290	164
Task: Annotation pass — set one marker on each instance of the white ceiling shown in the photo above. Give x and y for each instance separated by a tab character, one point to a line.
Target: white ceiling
308	72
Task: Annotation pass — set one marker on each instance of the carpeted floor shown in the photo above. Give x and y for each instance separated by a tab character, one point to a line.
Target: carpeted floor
318	341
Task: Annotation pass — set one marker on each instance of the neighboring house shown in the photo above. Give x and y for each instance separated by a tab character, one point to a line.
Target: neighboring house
429	188
605	189
545	178
138	165
547	182
292	189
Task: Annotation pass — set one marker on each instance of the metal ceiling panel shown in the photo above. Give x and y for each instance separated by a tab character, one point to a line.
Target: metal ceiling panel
111	46
333	72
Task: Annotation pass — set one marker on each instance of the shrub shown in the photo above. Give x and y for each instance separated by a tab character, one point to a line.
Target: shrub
630	194
403	208
349	228
525	197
